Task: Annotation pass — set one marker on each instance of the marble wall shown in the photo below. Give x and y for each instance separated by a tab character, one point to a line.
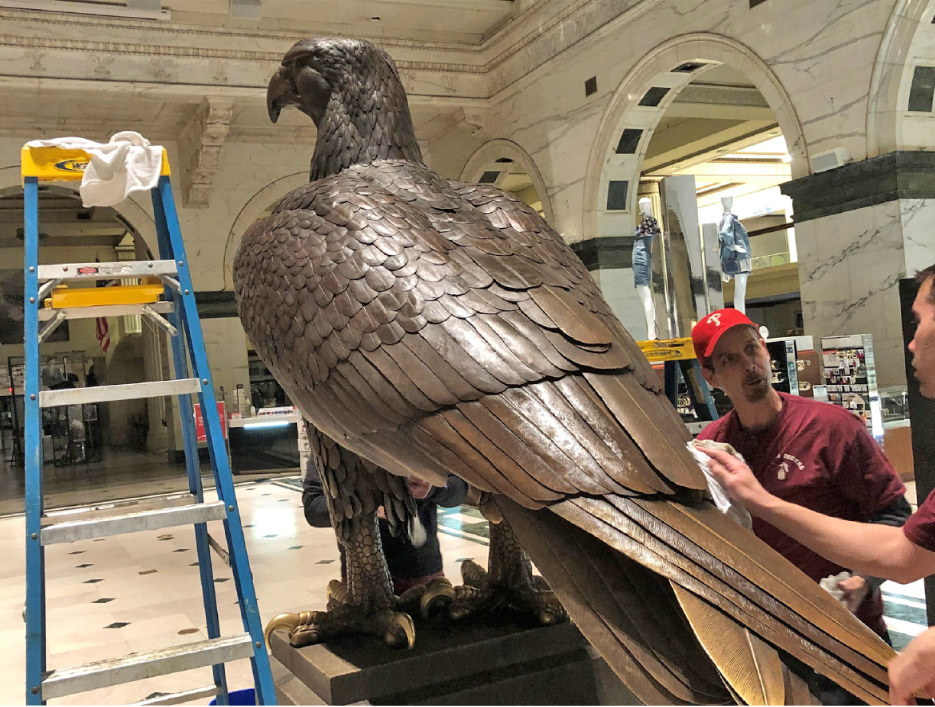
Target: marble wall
850	265
918	226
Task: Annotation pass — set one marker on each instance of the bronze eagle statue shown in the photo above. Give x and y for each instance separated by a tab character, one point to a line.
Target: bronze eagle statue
427	326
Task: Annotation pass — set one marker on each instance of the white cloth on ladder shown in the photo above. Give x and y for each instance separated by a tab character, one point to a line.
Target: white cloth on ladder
126	164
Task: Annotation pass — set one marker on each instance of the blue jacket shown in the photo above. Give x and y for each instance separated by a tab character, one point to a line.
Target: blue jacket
735	246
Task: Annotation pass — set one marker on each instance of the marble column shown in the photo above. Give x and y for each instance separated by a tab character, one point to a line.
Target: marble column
859	230
610	261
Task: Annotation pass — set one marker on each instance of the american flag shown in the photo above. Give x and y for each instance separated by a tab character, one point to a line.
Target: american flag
101	330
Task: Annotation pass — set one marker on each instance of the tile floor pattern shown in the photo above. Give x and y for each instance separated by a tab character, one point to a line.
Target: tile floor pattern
112	596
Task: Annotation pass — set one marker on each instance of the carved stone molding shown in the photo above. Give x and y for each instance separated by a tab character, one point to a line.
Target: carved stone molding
539	28
201	144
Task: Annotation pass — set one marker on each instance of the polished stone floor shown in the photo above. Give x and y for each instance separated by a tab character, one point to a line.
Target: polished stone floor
113	596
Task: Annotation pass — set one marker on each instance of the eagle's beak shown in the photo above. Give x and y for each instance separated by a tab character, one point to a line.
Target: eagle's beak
278	87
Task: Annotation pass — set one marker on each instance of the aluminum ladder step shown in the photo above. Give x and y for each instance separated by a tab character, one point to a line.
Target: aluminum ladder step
118	507
110	310
127	391
139	666
107	271
70	531
176	698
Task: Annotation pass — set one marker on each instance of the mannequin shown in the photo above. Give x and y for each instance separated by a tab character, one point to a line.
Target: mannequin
736	261
642	263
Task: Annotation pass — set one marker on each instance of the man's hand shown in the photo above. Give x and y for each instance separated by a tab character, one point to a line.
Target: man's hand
912	672
738	480
855	590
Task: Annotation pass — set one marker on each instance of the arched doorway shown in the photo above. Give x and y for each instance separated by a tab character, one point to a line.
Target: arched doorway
705	108
508	166
80	350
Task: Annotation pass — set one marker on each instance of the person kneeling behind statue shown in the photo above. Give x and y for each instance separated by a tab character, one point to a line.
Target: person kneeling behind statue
410	563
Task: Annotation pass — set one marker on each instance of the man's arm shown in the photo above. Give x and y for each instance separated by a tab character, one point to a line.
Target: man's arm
452	494
871	549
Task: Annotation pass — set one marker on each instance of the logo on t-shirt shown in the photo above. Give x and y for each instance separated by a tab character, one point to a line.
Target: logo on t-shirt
783	471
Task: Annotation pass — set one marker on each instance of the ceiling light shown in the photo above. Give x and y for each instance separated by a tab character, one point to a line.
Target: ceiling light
148	5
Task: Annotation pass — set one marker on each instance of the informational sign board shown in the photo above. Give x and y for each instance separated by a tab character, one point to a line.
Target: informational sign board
849	373
200	434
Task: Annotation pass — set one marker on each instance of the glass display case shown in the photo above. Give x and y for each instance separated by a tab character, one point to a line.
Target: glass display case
265	391
70	434
894	402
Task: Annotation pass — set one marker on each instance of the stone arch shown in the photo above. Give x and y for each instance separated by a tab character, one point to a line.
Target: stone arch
137	217
890	125
657	71
255	207
486	156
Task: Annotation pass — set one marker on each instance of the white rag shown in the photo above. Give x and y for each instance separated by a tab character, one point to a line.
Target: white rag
723	502
126	164
831	585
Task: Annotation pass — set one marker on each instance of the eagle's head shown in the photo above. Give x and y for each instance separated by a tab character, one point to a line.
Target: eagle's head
330	69
352	91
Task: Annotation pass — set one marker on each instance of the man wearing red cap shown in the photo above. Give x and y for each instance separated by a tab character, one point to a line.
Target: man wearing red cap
803	451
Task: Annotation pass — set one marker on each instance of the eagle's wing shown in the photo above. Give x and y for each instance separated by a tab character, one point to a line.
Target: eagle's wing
436	326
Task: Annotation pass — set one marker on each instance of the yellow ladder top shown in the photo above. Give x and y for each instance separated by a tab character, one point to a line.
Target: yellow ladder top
59	164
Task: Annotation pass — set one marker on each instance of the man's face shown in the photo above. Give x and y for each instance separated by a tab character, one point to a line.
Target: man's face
740	366
922	346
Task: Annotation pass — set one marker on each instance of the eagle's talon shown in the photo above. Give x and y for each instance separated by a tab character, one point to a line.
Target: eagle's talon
399	629
437	596
473	575
289	621
337	591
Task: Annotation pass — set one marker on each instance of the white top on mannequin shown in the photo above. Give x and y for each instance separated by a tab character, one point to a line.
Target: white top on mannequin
646	207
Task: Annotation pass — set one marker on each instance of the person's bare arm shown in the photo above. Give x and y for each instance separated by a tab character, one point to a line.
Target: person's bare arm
878	550
912	672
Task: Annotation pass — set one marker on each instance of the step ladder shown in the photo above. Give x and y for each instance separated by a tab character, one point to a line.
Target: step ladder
170	305
678	357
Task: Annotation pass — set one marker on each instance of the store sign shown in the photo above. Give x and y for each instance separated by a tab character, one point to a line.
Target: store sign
72	165
200	433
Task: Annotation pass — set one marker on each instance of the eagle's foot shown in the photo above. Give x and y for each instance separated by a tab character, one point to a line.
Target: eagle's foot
395	628
480	595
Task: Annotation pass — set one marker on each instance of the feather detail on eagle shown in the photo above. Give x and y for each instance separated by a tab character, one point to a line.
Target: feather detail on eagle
430	327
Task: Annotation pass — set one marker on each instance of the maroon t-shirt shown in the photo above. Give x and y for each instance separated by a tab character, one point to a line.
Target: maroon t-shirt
920	528
821	457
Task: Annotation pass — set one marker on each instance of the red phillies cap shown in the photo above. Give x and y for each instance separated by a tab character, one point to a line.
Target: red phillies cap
706	333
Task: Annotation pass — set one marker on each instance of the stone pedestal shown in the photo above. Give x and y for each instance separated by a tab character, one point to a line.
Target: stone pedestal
451	664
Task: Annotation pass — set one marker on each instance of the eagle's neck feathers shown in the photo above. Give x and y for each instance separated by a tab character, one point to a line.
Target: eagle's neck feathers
365	121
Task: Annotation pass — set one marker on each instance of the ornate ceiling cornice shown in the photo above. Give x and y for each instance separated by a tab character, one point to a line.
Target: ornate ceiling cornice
534	23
